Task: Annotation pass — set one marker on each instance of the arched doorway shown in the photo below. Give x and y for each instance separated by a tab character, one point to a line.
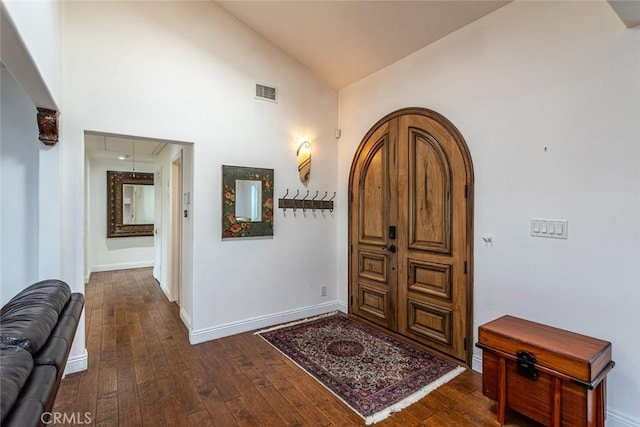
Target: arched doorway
411	231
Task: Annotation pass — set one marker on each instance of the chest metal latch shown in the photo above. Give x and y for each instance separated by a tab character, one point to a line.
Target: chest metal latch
527	365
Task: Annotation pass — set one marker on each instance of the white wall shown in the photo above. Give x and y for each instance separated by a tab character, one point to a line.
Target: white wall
113	253
186	71
560	75
19	146
38	26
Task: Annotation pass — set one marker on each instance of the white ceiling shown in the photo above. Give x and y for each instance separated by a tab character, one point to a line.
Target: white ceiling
344	41
101	146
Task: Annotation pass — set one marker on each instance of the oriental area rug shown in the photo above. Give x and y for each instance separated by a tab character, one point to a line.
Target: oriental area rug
372	373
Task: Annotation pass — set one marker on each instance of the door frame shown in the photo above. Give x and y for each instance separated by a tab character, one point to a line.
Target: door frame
157	229
175	272
466	154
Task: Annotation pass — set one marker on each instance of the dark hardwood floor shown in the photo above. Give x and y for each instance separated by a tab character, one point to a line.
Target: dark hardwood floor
143	372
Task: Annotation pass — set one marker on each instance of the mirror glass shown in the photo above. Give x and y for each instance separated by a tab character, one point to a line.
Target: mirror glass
137	204
130	204
248	200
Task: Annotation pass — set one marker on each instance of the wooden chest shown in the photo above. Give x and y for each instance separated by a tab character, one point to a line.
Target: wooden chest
553	376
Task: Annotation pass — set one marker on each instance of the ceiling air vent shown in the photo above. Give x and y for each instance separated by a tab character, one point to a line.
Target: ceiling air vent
266	93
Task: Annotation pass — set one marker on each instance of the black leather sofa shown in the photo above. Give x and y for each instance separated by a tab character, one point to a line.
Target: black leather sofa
37	327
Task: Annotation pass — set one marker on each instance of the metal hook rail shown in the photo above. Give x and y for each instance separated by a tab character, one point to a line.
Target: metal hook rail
305	203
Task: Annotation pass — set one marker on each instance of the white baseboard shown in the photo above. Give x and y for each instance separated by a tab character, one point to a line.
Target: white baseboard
77	363
614	418
165	291
121	266
476	363
186	319
619	419
225	330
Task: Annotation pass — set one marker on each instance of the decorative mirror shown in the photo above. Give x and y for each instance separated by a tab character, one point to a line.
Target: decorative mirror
130	204
247	202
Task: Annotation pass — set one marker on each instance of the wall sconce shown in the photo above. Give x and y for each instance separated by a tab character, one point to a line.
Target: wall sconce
304	160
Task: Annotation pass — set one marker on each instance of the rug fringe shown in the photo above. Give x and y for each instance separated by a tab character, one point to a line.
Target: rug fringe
408	401
297	322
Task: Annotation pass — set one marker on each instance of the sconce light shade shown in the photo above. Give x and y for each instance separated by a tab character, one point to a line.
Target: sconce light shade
304	160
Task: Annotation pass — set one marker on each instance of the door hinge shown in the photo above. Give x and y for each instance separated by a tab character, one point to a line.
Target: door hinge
351	248
466	191
465	267
351	299
465	343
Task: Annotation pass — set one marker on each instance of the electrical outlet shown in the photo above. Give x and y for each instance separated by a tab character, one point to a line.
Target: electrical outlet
323	291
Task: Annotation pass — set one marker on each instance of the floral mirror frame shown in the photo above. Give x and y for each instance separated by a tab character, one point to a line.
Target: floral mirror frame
115	224
231	227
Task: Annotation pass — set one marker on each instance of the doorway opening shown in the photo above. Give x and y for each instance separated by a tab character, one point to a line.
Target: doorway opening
170	164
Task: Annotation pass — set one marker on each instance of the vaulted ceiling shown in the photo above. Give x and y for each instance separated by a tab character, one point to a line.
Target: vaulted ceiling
344	41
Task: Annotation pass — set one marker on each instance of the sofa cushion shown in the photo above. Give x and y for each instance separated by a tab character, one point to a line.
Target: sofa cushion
74	306
37	398
26	413
15	367
41	387
53	353
28	318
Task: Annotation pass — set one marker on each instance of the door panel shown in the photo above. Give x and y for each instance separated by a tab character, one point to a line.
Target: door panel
429	194
374	303
372	271
413	171
430	321
435	182
373	195
373	266
430	279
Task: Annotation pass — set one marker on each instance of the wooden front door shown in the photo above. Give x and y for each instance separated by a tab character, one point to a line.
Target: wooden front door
410	219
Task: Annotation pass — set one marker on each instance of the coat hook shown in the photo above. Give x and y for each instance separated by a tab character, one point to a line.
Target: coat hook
322	205
284	206
304	205
313	202
334	196
294	198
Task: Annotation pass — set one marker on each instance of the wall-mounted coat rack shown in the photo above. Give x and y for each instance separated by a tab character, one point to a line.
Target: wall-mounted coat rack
305	202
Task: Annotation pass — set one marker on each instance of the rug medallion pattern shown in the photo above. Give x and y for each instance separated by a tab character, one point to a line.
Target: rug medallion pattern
368	370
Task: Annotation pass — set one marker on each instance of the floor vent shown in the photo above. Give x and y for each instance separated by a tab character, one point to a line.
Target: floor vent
266	93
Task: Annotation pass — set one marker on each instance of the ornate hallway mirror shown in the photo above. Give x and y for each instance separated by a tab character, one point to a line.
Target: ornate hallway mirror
130	204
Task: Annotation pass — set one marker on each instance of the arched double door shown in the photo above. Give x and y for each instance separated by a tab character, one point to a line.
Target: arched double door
410	231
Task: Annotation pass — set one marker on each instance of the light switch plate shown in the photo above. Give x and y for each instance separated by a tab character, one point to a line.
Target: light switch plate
551	228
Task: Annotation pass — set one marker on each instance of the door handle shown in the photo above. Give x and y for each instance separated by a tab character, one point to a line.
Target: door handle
390	248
